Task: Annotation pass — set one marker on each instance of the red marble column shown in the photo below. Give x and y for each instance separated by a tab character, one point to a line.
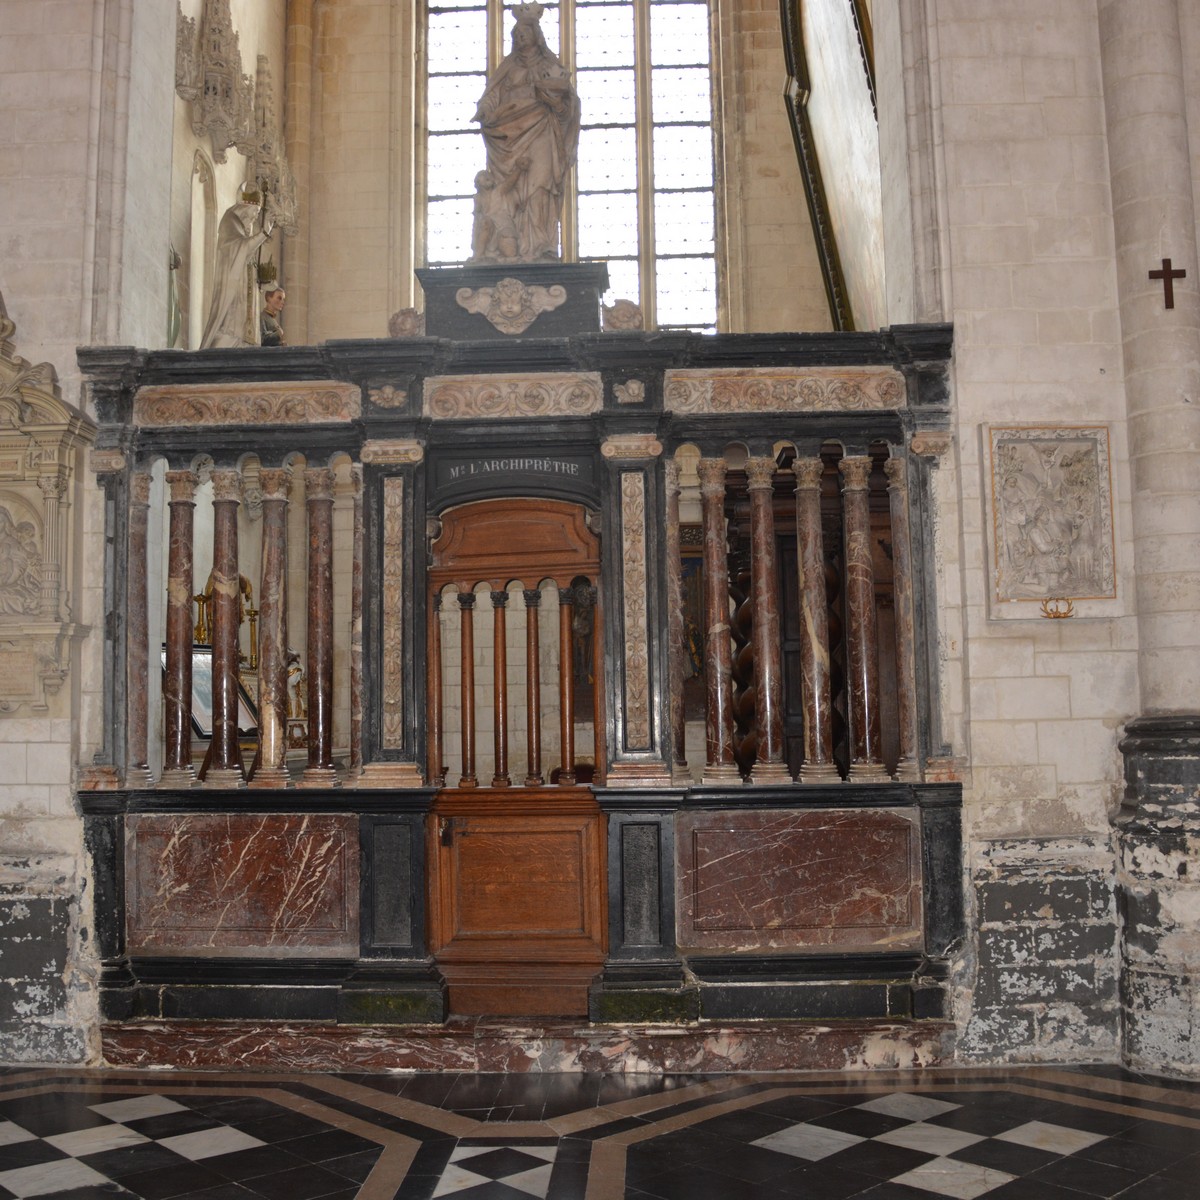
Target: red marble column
318	492
137	649
356	629
679	766
533	688
466	604
271	767
720	765
433	700
225	754
177	687
862	641
500	688
770	766
908	768
818	765
566	685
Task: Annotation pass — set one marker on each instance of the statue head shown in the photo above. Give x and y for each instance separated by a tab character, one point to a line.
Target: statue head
527	32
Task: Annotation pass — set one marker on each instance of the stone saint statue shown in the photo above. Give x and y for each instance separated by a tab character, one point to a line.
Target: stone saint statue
529	116
242	230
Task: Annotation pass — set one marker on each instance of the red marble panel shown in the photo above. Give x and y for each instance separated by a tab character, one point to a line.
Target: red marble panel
243	883
758	880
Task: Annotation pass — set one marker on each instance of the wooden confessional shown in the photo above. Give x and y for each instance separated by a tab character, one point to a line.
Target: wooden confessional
517	908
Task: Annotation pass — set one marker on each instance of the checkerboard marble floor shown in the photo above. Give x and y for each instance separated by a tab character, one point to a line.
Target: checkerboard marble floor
1035	1133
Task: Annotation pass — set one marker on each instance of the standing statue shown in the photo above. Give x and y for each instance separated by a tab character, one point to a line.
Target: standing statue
242	230
529	114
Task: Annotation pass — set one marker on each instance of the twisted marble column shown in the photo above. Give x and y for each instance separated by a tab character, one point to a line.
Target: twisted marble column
908	764
137	649
271	768
318	492
768	649
818	765
177	686
720	765
862	640
225	754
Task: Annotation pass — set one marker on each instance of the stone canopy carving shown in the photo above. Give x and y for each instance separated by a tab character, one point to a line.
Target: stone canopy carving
41	439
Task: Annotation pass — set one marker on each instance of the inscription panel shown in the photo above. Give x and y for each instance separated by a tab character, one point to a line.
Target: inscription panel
798	880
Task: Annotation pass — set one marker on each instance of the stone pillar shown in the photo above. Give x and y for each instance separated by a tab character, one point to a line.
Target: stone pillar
137	649
177	686
53	486
862	639
318	494
271	769
769	766
500	689
466	606
720	765
1149	154
433	699
566	686
908	764
356	629
533	688
225	755
679	767
818	765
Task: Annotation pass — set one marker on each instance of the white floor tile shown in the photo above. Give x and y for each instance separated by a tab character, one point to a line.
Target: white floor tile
536	1182
458	1179
809	1141
11	1134
55	1176
95	1140
932	1139
136	1108
205	1143
908	1106
948	1177
1058	1139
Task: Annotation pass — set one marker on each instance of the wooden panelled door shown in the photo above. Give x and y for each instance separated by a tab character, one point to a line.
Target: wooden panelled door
516	839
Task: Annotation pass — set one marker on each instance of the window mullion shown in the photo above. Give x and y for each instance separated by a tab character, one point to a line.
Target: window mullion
570	201
645	161
495	24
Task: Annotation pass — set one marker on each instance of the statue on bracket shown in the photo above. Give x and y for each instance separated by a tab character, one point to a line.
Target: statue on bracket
232	320
529	116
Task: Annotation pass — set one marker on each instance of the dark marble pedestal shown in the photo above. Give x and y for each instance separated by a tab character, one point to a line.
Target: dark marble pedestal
496	303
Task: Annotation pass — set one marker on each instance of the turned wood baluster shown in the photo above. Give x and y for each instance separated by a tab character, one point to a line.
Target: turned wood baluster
137	662
862	643
768	649
271	770
466	604
907	767
818	765
533	688
177	688
566	690
433	702
720	764
318	490
225	765
500	687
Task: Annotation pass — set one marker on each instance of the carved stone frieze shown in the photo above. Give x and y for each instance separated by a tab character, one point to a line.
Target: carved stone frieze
42	442
783	389
398	451
631	446
633	587
393	600
476	397
300	403
511	306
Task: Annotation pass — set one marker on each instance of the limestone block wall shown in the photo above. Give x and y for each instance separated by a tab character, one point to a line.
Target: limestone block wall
1030	287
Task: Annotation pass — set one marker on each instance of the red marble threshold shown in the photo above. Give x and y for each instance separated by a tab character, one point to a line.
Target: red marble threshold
495	1045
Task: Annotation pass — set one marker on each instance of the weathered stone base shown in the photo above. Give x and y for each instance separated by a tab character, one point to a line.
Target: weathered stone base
493	1045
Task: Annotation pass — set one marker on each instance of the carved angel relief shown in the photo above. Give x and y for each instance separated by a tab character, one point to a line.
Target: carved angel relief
41	438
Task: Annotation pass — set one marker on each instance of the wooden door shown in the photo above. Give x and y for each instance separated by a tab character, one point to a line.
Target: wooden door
517	901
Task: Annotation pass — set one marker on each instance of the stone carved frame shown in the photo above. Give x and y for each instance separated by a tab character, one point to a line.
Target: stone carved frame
1051	506
41	440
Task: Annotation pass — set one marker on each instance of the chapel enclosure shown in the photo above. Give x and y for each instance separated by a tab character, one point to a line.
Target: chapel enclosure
547	671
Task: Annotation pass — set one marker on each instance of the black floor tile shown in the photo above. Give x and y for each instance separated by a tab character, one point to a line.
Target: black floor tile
1032	1188
828	1183
167	1182
1005	1156
744	1125
250	1164
27	1154
1087	1176
794	1109
172	1124
225	1191
107	1191
859	1121
333	1143
1159	1187
281	1128
354	1166
47	1115
303	1183
878	1159
1135	1156
133	1160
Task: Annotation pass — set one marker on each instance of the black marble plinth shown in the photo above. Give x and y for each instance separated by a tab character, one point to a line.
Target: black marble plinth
576	312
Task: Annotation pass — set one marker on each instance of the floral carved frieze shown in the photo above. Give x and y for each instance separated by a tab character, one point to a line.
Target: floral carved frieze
511	306
783	389
301	403
42	442
476	397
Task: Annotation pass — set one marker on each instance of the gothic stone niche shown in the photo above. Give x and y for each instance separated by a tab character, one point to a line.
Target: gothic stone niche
1052	524
41	438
